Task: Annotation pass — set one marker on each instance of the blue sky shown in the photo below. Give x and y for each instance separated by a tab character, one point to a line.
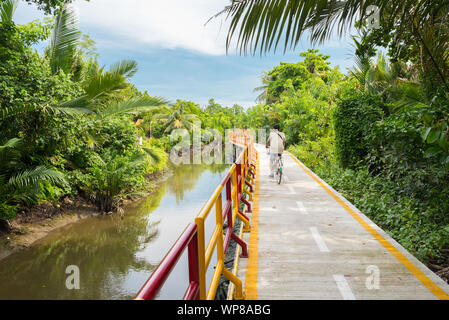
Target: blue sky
179	56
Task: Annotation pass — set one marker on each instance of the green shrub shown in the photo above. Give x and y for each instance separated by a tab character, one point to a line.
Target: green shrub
353	118
395	145
21	184
112	176
158	157
420	225
315	153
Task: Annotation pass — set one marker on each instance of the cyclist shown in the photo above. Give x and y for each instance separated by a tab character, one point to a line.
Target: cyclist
276	143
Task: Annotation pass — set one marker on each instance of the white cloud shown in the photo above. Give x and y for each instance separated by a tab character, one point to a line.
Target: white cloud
169	24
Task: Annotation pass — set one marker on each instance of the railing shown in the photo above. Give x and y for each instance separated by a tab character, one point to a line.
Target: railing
240	176
189	238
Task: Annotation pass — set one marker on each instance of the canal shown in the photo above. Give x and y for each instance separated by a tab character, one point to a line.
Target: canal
115	254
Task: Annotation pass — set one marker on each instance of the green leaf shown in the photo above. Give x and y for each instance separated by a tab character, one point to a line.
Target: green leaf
432	152
433	136
445	159
427	118
426	134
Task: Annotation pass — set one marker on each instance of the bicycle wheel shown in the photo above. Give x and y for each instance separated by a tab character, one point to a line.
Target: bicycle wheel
275	169
279	175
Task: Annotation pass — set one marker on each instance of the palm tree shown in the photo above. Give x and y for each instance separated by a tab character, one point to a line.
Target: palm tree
264	96
259	25
98	86
110	177
20	184
176	118
363	63
395	82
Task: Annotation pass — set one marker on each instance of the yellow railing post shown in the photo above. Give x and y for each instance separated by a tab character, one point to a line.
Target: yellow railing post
205	253
220	254
201	256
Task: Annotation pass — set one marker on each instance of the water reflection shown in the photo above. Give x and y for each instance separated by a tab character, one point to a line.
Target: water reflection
115	255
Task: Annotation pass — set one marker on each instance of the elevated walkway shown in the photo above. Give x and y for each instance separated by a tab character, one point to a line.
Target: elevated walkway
308	242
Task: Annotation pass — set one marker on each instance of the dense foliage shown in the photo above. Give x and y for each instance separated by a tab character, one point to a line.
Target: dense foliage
67	125
364	135
387	147
353	119
378	134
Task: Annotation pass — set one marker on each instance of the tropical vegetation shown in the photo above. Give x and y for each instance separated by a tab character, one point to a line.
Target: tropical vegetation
72	127
378	133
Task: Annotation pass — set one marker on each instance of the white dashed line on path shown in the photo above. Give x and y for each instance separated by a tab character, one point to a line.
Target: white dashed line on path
343	286
319	240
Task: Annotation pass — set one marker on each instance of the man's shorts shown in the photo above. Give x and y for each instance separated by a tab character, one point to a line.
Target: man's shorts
273	156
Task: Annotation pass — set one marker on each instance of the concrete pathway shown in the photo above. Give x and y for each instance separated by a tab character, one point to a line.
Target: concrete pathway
308	242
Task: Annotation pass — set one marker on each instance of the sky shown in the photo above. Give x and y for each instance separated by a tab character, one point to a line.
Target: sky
179	55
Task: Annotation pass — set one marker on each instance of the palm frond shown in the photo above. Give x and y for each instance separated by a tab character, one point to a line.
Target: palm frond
9	155
152	154
133	106
32	176
125	68
77	106
6	112
413	97
27	195
7	9
64	40
12	143
102	83
261	24
99	82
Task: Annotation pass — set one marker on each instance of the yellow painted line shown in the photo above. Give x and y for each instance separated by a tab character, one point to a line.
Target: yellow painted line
432	286
251	268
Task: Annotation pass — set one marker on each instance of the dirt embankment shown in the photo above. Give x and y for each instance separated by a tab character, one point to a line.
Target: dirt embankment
32	224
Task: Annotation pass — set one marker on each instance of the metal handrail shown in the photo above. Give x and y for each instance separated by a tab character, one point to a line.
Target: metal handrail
193	237
189	238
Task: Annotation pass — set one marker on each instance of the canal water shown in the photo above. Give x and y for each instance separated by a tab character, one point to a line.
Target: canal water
115	255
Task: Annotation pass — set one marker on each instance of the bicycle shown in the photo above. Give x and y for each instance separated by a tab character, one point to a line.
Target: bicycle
278	168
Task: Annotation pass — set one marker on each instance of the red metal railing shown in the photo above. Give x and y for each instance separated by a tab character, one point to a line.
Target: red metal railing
189	238
193	237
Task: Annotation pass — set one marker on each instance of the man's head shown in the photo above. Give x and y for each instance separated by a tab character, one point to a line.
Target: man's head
276	127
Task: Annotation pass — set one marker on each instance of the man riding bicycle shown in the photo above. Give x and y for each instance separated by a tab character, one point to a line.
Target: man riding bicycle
276	142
